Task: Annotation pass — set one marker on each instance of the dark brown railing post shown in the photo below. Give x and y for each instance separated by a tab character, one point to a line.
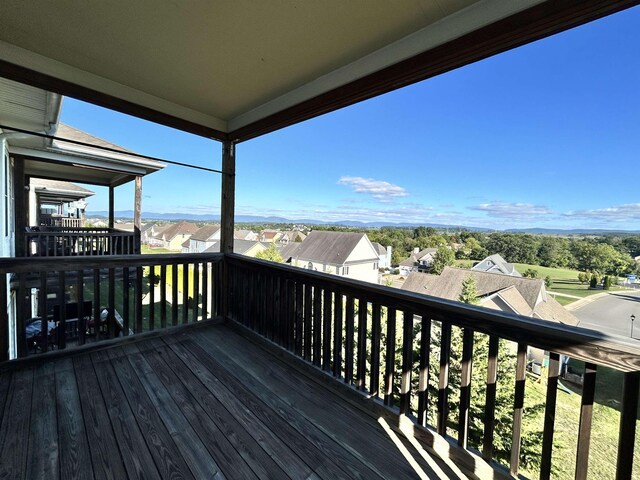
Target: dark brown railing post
627	435
443	379
423	372
549	415
407	362
521	363
586	415
390	356
490	402
465	387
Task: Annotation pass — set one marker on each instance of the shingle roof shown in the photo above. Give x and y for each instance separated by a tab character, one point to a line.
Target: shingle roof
59	185
514	298
205	233
329	248
496	259
180	228
449	284
415	257
379	248
71	133
239	246
521	293
552	310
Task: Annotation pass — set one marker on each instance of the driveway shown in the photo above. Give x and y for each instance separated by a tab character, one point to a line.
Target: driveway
612	314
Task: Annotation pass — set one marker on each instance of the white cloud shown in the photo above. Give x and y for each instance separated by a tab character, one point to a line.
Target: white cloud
514	211
379	189
626	212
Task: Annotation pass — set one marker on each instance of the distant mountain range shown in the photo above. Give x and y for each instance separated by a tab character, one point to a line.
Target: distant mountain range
150	216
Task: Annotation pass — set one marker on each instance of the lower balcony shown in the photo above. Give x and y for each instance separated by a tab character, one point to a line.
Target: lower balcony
222	366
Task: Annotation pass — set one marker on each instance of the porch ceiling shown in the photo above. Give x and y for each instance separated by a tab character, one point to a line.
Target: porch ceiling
216	68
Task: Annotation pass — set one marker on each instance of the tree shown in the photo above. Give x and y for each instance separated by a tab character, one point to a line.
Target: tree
595	279
469	293
606	282
271	254
530	273
548	282
443	257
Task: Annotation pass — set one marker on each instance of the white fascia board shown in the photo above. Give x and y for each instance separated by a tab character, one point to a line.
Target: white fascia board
70	159
48	66
449	28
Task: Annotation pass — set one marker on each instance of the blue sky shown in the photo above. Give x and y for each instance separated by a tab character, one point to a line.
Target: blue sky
547	135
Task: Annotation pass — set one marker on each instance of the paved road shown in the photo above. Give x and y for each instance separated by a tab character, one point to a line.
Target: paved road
611	314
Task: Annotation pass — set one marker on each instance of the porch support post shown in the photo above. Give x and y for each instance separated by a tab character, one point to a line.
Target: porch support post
137	214
227	203
21	207
111	206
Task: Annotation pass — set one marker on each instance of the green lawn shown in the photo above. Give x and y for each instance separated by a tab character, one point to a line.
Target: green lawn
146	249
564	281
606	423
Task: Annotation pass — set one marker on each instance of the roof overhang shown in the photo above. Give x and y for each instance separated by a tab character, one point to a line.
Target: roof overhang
236	70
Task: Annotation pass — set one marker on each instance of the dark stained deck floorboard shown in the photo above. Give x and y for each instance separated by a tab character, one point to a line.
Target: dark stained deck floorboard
203	403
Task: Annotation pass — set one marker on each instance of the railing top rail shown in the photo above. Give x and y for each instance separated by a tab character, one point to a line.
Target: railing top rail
588	345
61	233
69	263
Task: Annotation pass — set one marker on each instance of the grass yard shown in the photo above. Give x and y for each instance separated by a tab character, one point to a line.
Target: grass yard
565	281
146	250
604	438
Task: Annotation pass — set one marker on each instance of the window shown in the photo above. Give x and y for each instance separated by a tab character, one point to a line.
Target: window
345	270
375	265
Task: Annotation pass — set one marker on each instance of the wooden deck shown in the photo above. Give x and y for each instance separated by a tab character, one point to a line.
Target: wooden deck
202	403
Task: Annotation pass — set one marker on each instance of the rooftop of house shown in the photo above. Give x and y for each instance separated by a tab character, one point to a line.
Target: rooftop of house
496	262
239	246
415	257
522	294
329	248
204	234
60	187
379	248
180	228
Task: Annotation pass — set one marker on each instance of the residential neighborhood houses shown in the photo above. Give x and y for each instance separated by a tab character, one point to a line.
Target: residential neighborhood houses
347	254
496	264
418	261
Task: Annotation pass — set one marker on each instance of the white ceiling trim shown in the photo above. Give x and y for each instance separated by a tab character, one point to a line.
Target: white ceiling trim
460	23
54	68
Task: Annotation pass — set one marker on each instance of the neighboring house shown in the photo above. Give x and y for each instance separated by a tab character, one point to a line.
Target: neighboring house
245	235
249	248
269	235
175	235
523	296
346	254
202	239
384	255
291	237
507	293
152	234
419	260
496	264
57	203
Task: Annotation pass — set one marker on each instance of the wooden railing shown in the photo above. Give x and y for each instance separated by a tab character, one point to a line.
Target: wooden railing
398	348
75	241
125	295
